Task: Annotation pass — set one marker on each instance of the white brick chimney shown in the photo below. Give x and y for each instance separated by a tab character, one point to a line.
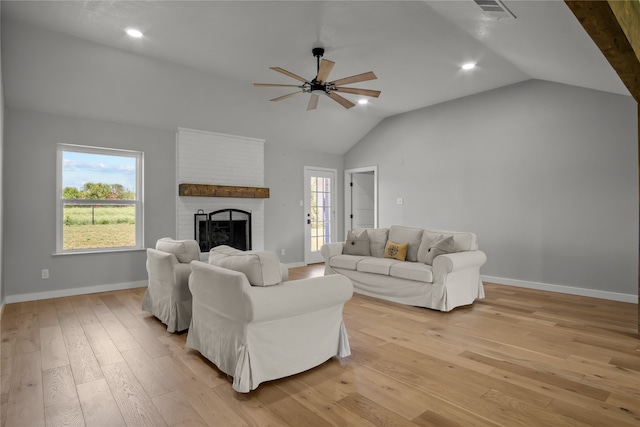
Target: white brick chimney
214	158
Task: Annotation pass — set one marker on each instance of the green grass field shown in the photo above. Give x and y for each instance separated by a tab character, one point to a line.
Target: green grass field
98	227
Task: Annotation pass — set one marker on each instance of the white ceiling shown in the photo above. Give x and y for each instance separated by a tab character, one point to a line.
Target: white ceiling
415	48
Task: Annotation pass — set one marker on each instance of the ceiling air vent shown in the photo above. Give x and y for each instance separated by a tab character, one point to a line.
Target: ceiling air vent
494	8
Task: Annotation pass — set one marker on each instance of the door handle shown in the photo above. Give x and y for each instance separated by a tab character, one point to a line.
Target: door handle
308	221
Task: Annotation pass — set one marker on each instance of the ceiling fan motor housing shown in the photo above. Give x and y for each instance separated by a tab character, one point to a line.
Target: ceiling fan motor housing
317	88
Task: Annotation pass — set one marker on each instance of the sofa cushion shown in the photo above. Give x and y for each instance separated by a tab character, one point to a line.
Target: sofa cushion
377	240
376	265
442	245
348	262
357	243
412	271
261	268
185	250
396	250
411	235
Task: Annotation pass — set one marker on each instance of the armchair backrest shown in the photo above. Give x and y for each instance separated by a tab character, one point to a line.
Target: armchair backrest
262	268
184	250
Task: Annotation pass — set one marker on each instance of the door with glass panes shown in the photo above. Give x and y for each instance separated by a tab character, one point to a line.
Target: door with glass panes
319	211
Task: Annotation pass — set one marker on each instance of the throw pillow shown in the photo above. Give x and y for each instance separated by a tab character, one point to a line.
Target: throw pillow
396	250
442	245
357	244
411	235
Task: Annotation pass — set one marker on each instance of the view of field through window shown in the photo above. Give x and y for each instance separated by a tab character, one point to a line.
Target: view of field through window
98	195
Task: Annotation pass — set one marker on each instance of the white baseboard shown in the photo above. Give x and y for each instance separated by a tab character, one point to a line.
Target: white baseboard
594	293
75	291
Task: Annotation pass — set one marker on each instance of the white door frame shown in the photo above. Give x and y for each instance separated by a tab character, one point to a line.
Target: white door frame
334	211
347	194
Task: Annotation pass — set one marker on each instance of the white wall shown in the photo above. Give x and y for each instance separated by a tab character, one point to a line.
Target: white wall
29	204
546	175
284	217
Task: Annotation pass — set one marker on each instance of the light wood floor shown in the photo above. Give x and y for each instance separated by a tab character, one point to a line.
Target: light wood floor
517	358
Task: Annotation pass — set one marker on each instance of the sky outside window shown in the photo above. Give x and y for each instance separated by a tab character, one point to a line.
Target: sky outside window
80	168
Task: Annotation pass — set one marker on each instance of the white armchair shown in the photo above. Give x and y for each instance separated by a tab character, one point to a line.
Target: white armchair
255	328
168	297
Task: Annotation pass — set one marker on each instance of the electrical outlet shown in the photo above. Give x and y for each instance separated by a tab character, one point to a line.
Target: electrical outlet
400	201
45	273
282	251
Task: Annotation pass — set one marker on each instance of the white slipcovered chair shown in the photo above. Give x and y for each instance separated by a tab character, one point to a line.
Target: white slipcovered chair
256	328
168	297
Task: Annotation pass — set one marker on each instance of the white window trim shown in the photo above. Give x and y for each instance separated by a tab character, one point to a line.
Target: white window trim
138	201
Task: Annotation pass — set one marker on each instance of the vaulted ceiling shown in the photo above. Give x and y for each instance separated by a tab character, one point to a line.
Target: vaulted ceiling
197	61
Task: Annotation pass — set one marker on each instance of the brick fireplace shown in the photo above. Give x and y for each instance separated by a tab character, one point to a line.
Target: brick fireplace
225	160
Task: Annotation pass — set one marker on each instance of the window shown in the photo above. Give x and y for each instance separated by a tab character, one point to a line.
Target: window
99	199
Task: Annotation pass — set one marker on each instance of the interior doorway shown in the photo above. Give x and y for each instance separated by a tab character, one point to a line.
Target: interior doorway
361	198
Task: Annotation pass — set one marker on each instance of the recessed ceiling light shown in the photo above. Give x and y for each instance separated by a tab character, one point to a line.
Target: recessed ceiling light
132	32
363	101
469	66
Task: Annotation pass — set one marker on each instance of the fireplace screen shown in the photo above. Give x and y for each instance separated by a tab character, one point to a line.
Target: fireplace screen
231	227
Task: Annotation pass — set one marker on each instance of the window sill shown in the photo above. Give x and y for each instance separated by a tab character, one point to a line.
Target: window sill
99	251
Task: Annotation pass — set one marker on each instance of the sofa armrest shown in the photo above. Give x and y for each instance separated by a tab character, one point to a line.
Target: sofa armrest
447	263
297	297
331	249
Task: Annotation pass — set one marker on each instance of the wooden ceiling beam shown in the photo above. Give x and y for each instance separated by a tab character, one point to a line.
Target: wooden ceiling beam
614	26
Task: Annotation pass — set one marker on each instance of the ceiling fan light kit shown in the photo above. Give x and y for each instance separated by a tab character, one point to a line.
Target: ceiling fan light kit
320	85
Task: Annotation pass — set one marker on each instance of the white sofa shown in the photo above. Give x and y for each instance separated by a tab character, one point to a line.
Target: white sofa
443	282
256	327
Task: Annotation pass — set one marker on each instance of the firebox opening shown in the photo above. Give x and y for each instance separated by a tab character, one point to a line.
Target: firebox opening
231	227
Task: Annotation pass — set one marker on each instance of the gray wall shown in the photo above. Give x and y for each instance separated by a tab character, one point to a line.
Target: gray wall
284	217
545	174
29	173
29	201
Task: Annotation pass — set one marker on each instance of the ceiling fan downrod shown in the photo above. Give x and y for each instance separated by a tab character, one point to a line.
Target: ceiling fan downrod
316	87
317	52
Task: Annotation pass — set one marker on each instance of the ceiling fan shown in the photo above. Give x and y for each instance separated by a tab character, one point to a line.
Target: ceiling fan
320	86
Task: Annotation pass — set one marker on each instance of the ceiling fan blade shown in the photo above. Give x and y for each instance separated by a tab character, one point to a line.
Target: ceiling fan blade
288	73
364	92
273	85
325	68
313	102
280	98
340	100
355	79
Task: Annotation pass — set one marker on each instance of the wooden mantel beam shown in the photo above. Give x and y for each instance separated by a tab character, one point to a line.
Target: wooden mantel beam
207	190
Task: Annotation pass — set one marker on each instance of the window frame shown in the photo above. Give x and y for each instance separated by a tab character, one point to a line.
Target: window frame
138	202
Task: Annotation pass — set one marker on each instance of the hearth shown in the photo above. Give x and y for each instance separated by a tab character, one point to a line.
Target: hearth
230	227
